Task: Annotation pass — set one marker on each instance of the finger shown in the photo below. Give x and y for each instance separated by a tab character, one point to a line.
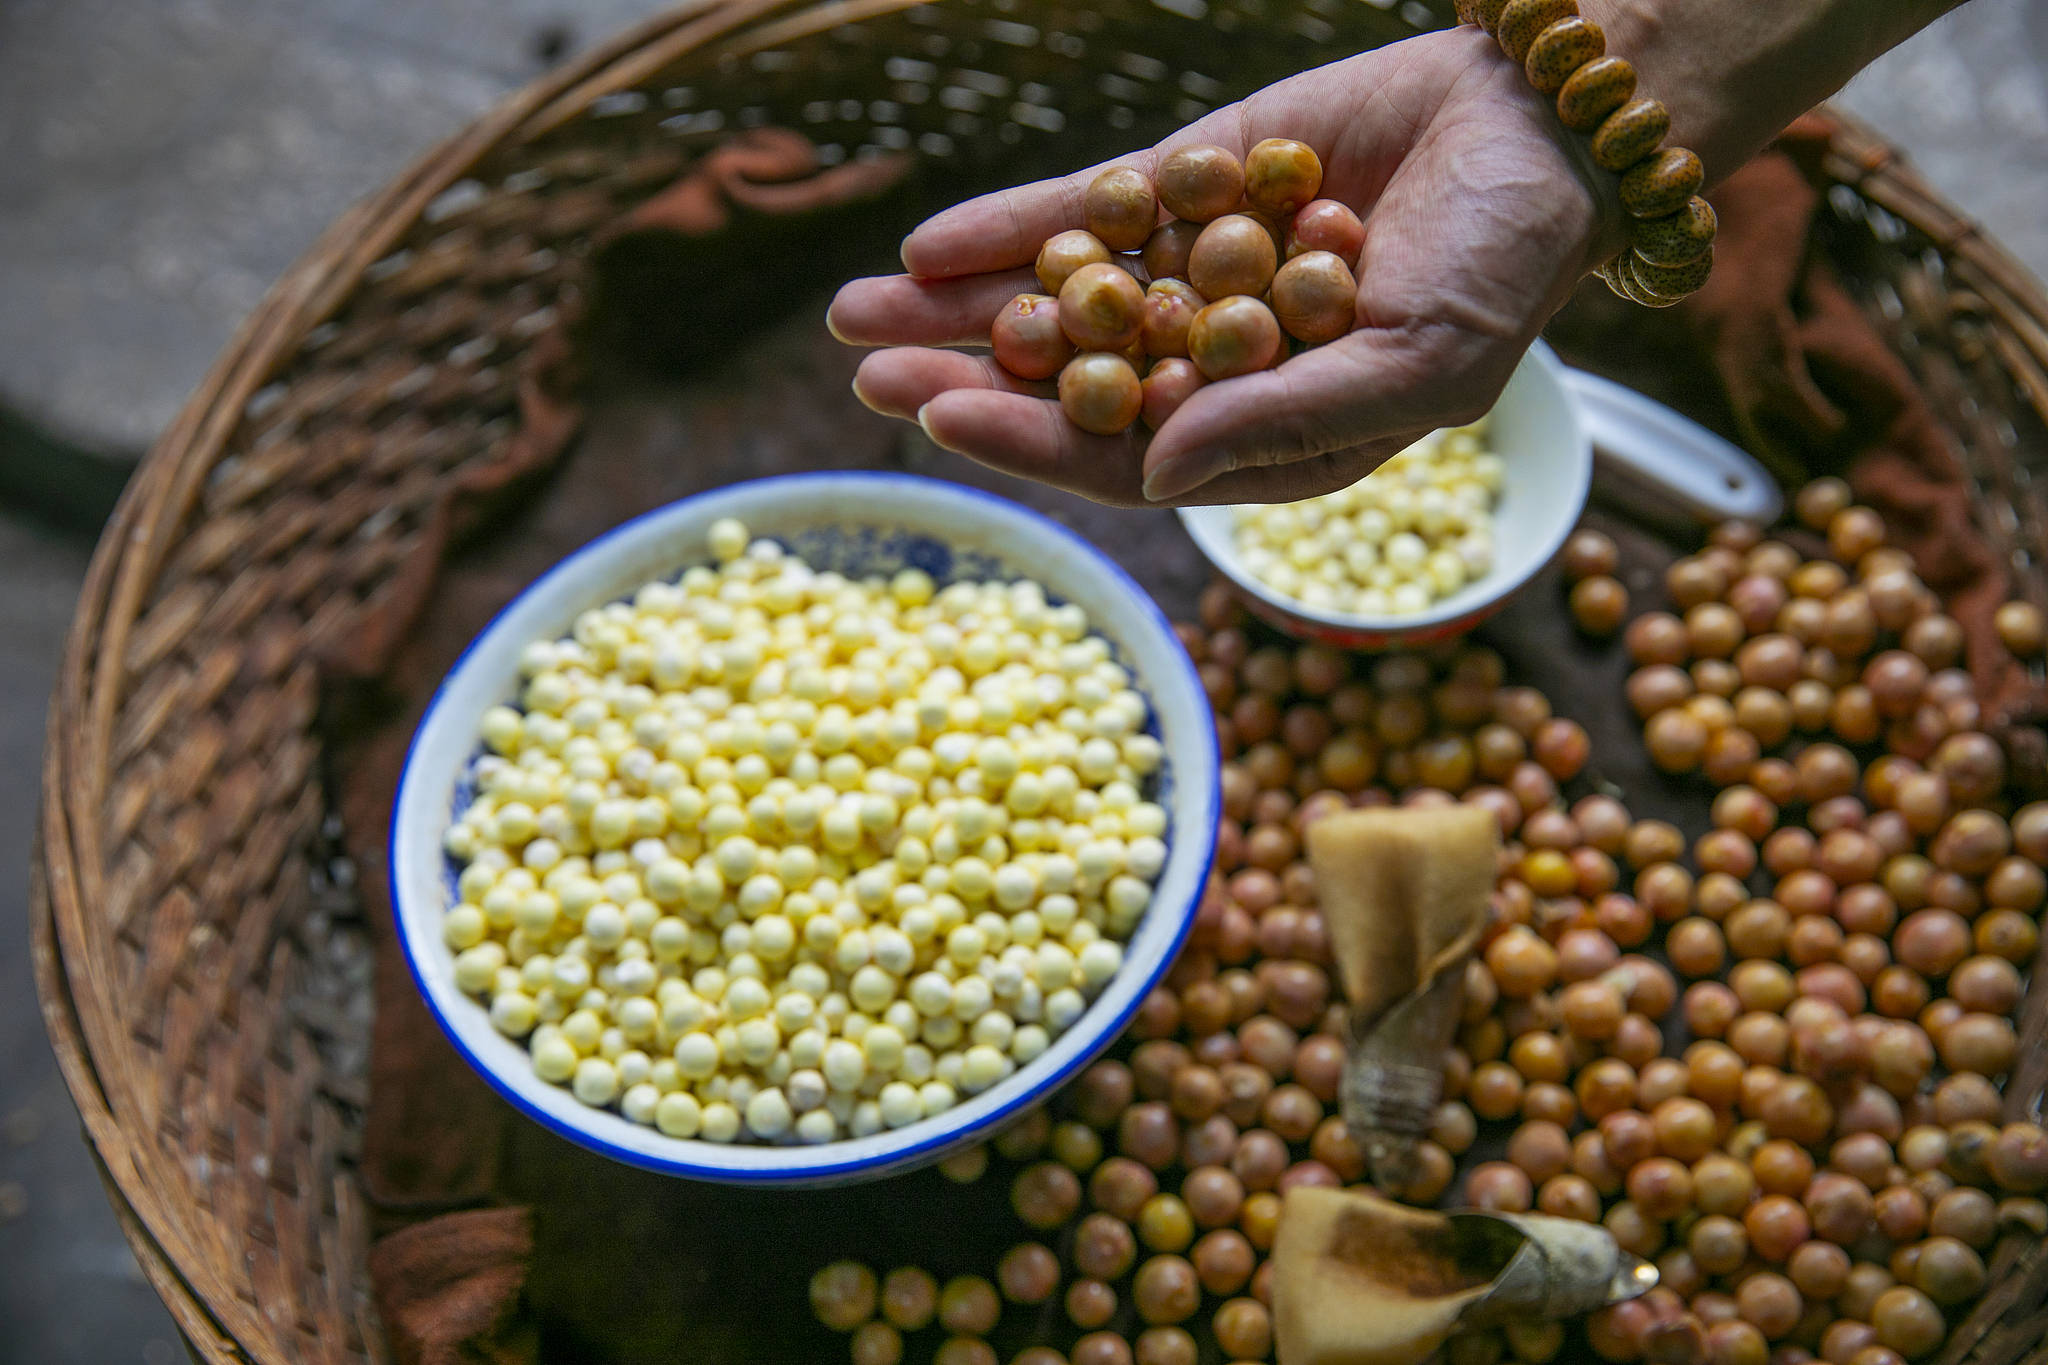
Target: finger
1299	480
1004	230
896	383
1359	392
903	310
1032	439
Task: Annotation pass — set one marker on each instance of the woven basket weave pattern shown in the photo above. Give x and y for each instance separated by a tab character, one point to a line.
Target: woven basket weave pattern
182	800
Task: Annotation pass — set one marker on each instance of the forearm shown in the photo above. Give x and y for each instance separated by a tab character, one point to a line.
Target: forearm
1735	72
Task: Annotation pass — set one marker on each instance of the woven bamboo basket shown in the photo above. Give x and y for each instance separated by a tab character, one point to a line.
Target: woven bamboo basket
183	829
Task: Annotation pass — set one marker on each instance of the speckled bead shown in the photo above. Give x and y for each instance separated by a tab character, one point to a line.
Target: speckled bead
1630	133
1632	287
1661	183
1485	13
1676	238
1522	20
1594	91
1671	281
1560	50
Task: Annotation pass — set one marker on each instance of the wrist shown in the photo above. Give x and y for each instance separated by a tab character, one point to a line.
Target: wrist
1734	73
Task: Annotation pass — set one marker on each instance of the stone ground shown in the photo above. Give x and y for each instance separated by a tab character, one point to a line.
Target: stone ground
165	161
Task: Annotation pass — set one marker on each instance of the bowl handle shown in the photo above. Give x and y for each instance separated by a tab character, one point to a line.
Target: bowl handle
1676	456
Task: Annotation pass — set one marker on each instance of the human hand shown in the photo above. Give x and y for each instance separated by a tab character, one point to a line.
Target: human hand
1481	213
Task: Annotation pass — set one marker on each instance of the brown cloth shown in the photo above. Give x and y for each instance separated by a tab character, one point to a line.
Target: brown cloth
502	1244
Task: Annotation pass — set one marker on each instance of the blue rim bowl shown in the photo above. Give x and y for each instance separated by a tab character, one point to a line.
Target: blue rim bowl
854	522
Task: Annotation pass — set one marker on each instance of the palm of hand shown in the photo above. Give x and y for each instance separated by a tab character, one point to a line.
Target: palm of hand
1479	214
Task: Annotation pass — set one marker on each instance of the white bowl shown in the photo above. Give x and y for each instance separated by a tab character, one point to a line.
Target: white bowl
853	522
1548	461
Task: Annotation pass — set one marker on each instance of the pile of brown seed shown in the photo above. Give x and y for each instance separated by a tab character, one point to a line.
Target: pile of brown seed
1246	258
1822	1171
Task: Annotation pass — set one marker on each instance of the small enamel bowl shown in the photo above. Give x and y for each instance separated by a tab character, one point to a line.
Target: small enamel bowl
856	523
1535	428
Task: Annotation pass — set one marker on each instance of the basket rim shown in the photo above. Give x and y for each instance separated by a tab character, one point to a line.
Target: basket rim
65	872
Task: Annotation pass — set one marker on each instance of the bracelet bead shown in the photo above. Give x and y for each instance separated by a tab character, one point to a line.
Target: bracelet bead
1672	282
1630	133
1561	50
1677	237
1632	288
1485	13
1522	20
1564	55
1661	183
1594	91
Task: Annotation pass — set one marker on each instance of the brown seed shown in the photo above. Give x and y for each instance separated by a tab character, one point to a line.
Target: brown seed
1101	308
1938	639
1166	250
1327	225
967	1351
1045	1195
1170	383
1817	502
1066	252
1599	605
1234	336
1166	1290
1854	532
843	1295
968	1305
1243	1329
1281	176
1769	1303
1169	310
1028	1273
1101	393
1200	183
1314	296
1090	1303
1121	208
1224	1259
1656	638
1594	91
1676	741
1234	255
876	1343
1027	338
1908	1322
1589	553
2020	627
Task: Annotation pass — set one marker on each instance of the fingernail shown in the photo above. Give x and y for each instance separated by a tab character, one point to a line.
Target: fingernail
924	421
833	327
1187	473
866	401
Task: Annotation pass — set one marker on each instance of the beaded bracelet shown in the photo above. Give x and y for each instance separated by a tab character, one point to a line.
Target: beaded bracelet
1671	229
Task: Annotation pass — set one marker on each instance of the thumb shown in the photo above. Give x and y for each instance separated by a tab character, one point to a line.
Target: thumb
1366	387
